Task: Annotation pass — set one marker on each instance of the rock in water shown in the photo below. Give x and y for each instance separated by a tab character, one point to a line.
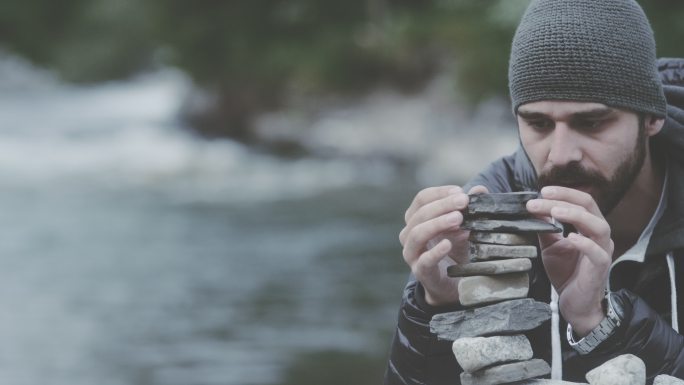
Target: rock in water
506	373
626	369
508	317
507	204
480	252
503	238
511	226
481	289
490	268
664	379
475	353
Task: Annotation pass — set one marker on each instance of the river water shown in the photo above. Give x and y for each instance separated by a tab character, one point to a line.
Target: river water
134	253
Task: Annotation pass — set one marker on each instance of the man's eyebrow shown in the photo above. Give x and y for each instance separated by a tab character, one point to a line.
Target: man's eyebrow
595	113
530	115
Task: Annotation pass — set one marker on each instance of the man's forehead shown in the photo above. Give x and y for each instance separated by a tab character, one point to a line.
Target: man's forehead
563	108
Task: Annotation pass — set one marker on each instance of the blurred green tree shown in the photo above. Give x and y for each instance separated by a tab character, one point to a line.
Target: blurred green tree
249	54
83	40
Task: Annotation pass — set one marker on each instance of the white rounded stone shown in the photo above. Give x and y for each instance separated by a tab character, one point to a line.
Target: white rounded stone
626	369
478	352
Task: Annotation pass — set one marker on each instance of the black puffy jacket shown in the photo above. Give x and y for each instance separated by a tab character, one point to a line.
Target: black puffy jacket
646	289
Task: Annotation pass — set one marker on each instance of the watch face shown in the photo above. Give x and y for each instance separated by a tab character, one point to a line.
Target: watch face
616	306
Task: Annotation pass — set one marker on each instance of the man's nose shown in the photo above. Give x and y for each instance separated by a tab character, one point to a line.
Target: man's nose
564	146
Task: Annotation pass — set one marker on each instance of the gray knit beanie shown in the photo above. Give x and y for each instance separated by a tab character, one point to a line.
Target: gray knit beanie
586	50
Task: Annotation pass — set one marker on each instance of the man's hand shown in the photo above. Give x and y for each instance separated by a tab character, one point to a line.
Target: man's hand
578	265
433	239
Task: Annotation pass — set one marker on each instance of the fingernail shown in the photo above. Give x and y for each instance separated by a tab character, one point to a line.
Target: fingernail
455	218
533	204
455	190
443	245
460	200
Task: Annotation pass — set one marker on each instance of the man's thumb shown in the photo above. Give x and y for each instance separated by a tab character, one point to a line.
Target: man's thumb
479	189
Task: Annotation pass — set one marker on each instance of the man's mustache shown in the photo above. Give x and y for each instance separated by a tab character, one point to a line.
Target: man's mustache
571	174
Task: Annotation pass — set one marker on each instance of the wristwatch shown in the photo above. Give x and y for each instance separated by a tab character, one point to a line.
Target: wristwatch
613	319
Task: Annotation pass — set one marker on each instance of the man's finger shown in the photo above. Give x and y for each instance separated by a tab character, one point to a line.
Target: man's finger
589	224
453	201
573	196
402	236
586	223
428	195
428	261
417	239
542	207
596	254
548	239
479	189
450	203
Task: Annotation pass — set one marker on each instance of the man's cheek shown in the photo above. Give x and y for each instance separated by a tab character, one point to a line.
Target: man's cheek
533	155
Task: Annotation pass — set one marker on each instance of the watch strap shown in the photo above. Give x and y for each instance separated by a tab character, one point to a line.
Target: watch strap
605	329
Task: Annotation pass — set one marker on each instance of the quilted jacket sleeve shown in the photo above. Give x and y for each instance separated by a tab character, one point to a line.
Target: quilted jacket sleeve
644	334
417	357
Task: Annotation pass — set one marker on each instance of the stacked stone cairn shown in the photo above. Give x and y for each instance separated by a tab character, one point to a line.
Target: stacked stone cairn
489	343
488	340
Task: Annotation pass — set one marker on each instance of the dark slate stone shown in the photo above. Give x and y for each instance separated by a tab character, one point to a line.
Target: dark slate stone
509	317
507	204
511	226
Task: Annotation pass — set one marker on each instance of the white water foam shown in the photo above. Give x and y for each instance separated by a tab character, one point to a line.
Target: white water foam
127	135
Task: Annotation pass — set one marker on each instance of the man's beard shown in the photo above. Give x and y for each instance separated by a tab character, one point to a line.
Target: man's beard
609	192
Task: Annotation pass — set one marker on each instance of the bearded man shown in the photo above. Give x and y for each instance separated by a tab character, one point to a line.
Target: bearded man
601	126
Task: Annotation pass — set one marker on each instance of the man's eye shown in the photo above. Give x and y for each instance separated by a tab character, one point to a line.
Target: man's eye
589	124
540	125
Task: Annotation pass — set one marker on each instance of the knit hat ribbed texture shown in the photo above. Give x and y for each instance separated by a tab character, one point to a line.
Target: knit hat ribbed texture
586	50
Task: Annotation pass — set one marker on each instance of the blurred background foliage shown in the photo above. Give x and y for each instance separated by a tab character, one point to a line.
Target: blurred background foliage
249	55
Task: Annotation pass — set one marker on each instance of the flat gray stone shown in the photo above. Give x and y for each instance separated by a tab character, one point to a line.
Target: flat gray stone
503	238
626	369
508	317
531	225
480	252
490	267
478	352
500	204
664	379
482	289
506	373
